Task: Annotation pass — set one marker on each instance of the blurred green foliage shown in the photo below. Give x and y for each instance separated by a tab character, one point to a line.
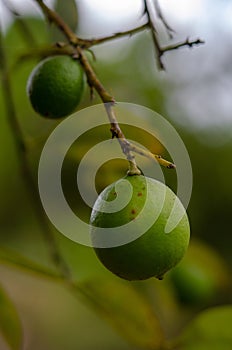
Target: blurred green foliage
10	324
209	330
201	276
52	318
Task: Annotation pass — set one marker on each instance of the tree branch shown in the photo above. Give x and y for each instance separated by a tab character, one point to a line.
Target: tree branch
92	78
169	29
95	83
187	42
158	49
75	41
91	42
53	17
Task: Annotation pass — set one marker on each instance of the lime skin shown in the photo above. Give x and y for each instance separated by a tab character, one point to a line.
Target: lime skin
155	251
55	86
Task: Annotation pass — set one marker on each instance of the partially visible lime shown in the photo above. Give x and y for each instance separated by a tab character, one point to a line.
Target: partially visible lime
154	251
200	276
55	86
193	284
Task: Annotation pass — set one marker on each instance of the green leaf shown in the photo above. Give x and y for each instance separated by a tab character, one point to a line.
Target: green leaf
10	325
69	13
210	330
9	256
23	34
126	310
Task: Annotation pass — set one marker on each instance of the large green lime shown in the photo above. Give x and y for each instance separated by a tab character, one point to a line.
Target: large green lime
149	250
55	86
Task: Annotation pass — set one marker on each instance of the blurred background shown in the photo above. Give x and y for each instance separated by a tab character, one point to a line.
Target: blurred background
194	94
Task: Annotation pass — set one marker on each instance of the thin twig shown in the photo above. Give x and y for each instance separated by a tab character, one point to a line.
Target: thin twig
160	15
75	41
158	49
21	148
187	42
151	156
91	42
53	17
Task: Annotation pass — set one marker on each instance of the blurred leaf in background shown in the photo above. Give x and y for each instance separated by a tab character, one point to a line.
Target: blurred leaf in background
202	276
126	310
69	14
211	329
10	325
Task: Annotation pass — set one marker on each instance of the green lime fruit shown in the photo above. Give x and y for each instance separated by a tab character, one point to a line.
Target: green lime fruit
55	86
130	236
200	276
193	284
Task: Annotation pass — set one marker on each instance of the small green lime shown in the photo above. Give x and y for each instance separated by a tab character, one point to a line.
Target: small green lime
193	284
55	86
152	251
200	276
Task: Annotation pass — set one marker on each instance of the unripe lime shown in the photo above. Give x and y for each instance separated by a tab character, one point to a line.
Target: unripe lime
149	250
193	284
55	86
201	276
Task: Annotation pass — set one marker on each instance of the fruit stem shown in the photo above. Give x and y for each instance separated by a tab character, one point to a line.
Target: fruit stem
117	132
133	169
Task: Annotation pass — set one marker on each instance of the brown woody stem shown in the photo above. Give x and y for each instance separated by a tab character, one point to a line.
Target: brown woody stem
117	132
53	17
91	42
